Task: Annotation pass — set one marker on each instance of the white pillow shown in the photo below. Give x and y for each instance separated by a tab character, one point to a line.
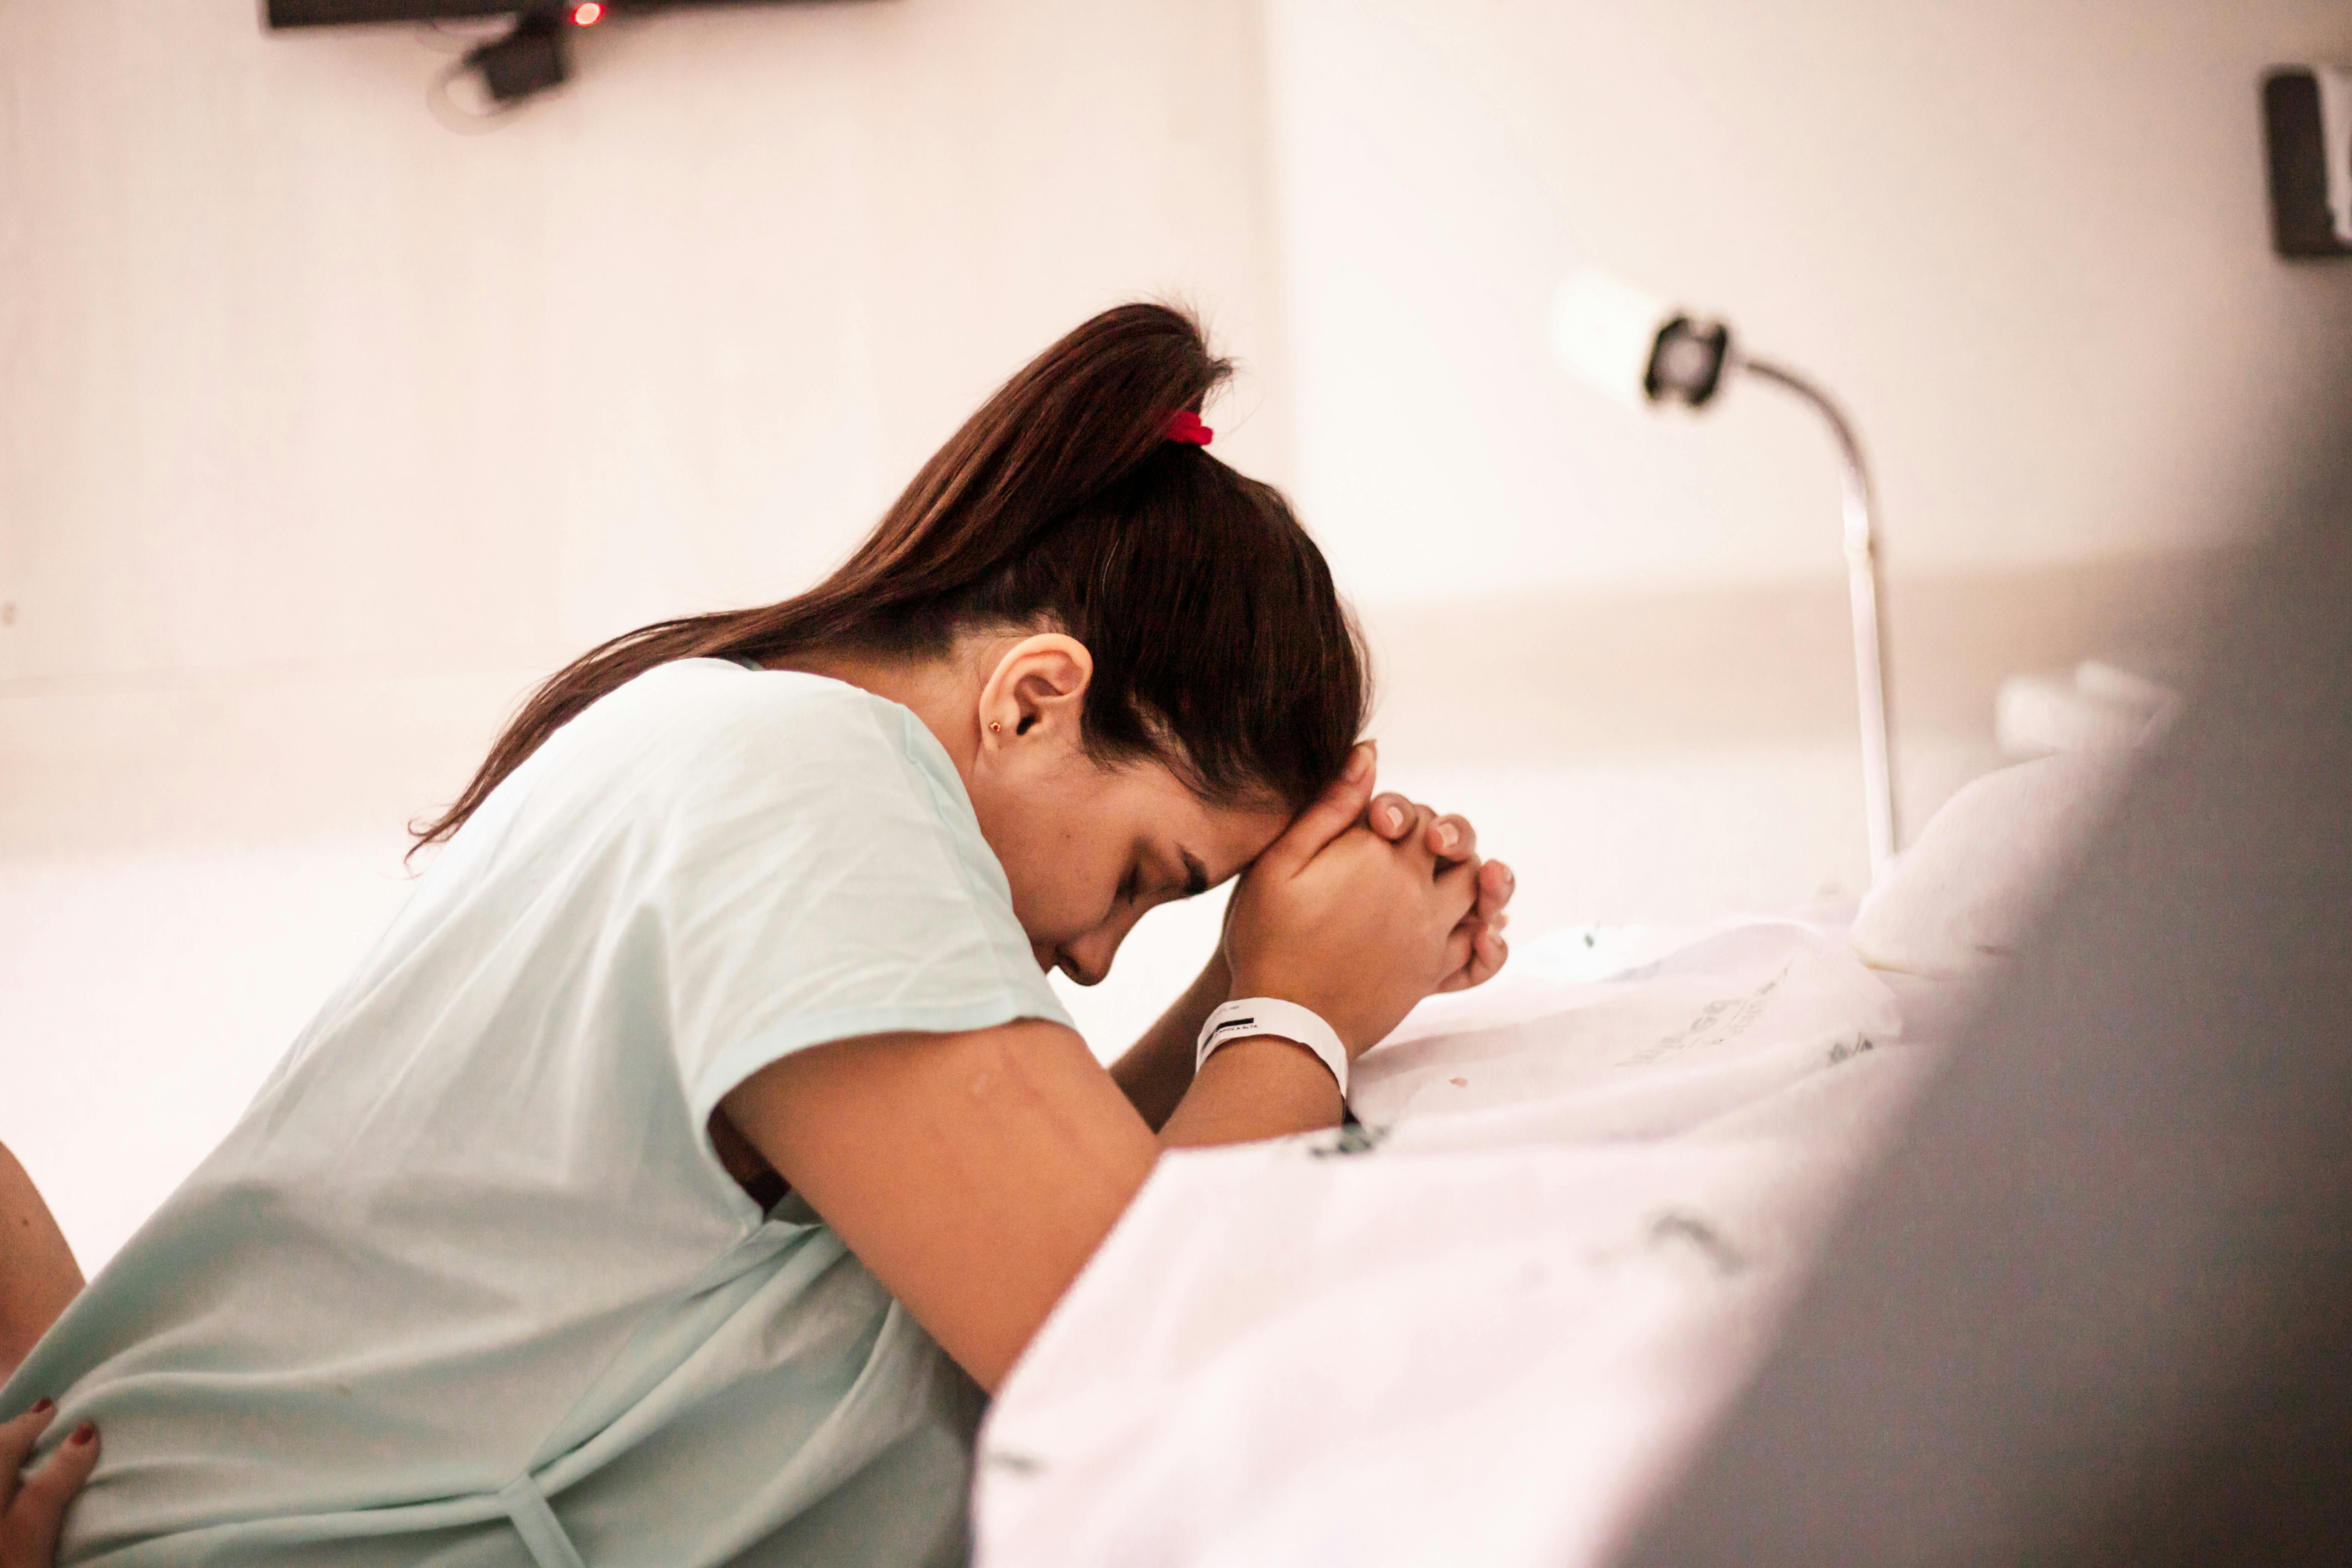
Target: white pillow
1966	893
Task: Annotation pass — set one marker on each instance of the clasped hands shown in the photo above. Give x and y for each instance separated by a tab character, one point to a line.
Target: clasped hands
1366	904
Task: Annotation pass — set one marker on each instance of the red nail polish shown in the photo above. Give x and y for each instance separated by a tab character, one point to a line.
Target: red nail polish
44	1404
84	1435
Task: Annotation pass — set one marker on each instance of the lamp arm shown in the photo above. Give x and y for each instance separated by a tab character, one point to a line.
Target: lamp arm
1862	586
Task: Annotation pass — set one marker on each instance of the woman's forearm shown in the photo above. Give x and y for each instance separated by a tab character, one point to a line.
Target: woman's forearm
976	1174
38	1277
1157	1070
1261	1087
1253	1089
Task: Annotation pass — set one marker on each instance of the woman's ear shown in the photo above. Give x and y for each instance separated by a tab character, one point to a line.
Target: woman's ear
1036	692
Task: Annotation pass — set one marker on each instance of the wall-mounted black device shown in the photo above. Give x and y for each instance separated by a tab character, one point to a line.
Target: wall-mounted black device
2308	133
531	55
352	13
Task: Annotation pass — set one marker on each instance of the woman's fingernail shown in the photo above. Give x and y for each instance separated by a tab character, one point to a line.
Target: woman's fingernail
1394	818
1508	879
84	1435
44	1404
1447	835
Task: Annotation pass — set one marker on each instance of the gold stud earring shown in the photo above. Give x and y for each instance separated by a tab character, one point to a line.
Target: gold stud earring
994	728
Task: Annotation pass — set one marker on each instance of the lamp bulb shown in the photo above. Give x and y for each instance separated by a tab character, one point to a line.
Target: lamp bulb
1603	332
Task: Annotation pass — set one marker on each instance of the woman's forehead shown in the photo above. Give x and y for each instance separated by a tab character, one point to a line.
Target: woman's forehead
1223	836
1226	838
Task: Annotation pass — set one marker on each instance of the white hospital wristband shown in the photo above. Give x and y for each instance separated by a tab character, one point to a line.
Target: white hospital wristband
1264	1015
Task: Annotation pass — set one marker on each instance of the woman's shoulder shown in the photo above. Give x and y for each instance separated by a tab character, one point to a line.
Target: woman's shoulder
721	695
701	716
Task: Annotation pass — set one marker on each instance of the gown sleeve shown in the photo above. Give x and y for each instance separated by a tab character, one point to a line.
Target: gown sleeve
816	874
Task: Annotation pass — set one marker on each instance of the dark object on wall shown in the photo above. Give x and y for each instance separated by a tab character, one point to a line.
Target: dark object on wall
360	12
533	55
2091	1311
2307	133
348	12
532	59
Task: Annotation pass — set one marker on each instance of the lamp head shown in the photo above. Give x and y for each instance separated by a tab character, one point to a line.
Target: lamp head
1635	346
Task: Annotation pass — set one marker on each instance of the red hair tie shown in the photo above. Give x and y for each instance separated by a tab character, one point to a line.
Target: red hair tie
1185	425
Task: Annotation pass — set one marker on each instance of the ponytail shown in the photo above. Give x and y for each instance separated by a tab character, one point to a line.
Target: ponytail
1220	644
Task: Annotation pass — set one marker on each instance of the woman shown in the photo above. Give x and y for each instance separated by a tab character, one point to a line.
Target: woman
517	1257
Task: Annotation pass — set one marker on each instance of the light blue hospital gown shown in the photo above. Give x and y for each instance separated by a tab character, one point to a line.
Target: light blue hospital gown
467	1286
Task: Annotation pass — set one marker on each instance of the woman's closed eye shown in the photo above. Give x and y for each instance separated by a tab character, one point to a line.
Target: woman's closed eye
1142	887
1146	884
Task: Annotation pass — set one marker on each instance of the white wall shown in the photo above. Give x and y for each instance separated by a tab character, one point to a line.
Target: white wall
2026	241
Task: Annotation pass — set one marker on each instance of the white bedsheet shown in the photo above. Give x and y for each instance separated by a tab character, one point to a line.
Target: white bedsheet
1490	1331
1485	1338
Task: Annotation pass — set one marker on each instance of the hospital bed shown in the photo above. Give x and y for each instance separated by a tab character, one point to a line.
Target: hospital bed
2011	1221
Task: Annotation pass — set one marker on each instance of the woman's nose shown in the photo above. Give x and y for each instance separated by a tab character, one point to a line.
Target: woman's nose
1092	954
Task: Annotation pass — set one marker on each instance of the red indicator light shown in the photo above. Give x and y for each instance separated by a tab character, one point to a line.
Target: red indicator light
587	15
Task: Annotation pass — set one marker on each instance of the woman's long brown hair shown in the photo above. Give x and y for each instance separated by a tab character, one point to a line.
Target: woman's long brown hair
1220	644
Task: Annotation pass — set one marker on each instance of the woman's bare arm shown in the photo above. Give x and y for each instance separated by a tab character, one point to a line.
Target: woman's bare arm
37	1273
1157	1070
975	1173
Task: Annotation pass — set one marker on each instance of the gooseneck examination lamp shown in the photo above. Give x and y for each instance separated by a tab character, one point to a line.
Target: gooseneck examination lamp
1646	353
